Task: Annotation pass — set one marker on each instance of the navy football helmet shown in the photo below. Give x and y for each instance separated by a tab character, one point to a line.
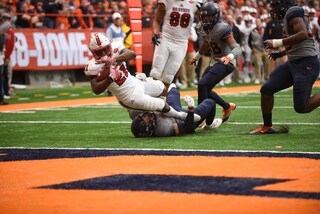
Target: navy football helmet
209	15
280	7
144	124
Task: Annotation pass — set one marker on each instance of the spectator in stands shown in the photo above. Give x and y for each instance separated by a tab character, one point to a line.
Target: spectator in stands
9	46
62	20
104	12
73	19
24	19
83	15
114	31
51	8
260	56
38	19
4	26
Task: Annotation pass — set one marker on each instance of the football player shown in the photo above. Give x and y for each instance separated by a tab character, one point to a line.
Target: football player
300	71
107	70
176	19
218	38
155	124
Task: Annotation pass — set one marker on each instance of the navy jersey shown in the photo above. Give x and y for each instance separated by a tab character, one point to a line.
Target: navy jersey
306	47
216	38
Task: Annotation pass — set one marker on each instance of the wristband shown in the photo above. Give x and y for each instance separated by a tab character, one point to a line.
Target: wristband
277	43
197	56
231	56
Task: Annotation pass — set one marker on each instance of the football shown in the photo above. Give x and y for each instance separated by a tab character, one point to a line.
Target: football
103	74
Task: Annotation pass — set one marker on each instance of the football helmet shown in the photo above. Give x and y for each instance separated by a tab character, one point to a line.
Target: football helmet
280	7
209	15
100	45
144	124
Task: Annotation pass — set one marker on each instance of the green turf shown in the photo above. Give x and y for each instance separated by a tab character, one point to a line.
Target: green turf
90	127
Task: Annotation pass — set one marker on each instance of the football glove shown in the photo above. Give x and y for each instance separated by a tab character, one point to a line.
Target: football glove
141	76
155	39
275	55
106	60
225	59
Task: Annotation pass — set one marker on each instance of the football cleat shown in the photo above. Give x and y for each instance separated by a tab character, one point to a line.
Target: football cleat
189	101
264	130
226	113
270	130
215	124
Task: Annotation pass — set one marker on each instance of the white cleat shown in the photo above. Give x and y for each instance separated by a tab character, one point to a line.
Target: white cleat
215	124
189	101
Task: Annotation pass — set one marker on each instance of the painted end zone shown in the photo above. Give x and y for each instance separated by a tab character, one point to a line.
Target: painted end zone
119	181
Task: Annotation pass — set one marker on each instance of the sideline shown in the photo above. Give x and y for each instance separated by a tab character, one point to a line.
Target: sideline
109	100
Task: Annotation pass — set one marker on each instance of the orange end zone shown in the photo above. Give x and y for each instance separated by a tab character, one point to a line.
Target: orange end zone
20	192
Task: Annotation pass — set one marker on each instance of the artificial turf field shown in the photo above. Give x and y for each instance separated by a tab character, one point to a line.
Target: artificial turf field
83	159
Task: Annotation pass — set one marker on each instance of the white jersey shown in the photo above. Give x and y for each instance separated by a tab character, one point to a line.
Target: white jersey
179	18
121	88
130	91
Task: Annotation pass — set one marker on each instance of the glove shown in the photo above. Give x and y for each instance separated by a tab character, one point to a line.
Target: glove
155	39
107	61
268	44
274	43
275	55
114	75
141	76
225	59
193	61
199	5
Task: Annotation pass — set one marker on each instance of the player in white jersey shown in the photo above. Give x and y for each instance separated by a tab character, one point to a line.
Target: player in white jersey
107	70
176	18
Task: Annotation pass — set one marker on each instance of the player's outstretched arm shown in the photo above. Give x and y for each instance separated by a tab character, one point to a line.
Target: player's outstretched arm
99	87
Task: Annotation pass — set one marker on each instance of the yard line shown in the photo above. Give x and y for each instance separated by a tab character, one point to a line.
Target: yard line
166	150
65	122
126	122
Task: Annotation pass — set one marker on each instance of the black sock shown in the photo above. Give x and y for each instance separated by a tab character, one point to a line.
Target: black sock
267	119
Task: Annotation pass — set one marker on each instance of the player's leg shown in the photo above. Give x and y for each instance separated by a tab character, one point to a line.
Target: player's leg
211	77
227	108
280	79
306	72
173	99
176	56
160	57
207	111
153	88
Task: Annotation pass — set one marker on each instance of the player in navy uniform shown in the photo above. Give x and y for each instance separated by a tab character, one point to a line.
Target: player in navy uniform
218	38
300	71
156	124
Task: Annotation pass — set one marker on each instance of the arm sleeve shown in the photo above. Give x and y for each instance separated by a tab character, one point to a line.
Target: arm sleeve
235	50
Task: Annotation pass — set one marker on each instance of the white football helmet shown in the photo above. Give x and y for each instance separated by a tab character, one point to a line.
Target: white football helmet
100	45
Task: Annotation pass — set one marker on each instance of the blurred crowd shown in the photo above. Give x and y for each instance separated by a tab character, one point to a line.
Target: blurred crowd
250	20
63	14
